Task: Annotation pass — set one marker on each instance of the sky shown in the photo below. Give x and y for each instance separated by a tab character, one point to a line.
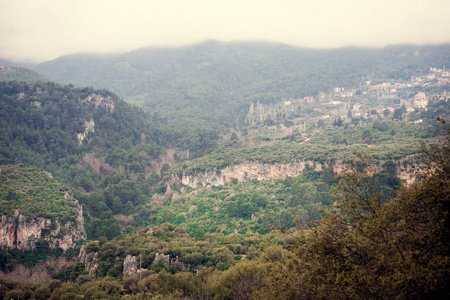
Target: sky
41	30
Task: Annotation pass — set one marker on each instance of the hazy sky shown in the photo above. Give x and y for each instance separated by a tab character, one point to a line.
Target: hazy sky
45	29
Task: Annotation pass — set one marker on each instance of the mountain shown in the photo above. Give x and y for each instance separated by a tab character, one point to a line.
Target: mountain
207	85
375	248
21	74
19	71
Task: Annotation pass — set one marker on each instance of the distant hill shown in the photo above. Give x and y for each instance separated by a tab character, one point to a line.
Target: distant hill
20	74
16	64
19	71
208	84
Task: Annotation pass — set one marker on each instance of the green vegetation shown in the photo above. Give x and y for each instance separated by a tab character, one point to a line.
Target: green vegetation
373	249
367	245
21	74
39	125
34	194
242	207
114	164
324	145
342	227
209	84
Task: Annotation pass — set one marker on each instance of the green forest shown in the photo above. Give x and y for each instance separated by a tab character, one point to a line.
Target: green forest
232	171
207	85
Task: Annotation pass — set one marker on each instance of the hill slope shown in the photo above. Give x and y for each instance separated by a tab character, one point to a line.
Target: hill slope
206	85
86	138
35	208
21	74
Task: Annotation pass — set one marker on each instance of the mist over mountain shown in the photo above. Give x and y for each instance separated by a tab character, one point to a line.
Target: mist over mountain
216	80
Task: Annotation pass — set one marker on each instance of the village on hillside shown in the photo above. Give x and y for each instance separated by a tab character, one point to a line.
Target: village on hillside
395	99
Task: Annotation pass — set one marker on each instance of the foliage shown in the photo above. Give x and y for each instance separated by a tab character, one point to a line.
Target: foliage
255	206
246	239
330	144
368	246
39	125
34	194
29	258
207	85
372	249
21	74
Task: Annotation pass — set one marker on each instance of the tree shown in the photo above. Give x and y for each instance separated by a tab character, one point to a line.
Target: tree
367	137
128	208
241	281
337	122
398	114
373	249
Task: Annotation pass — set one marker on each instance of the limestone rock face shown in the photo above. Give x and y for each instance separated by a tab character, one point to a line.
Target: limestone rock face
89	126
164	258
90	260
22	233
96	101
129	265
100	101
267	172
248	171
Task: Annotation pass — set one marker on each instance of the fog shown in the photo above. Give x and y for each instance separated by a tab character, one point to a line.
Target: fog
46	29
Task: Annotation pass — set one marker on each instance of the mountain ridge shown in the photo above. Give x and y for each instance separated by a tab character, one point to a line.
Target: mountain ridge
214	81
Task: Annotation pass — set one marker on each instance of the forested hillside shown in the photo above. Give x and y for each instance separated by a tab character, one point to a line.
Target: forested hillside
34	194
246	171
85	138
21	74
207	85
369	246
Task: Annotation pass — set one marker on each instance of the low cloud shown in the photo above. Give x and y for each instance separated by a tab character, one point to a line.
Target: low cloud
45	29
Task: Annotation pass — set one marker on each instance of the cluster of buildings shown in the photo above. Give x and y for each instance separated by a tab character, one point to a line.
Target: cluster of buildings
371	100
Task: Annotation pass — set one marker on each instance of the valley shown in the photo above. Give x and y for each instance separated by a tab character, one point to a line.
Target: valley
225	170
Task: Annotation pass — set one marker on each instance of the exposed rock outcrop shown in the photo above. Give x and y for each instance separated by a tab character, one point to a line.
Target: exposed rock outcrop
100	101
23	233
129	265
96	100
90	260
269	172
246	172
161	257
40	272
89	126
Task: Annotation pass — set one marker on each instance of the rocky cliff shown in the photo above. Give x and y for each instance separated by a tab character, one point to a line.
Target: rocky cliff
90	260
96	101
246	172
268	172
42	271
22	233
